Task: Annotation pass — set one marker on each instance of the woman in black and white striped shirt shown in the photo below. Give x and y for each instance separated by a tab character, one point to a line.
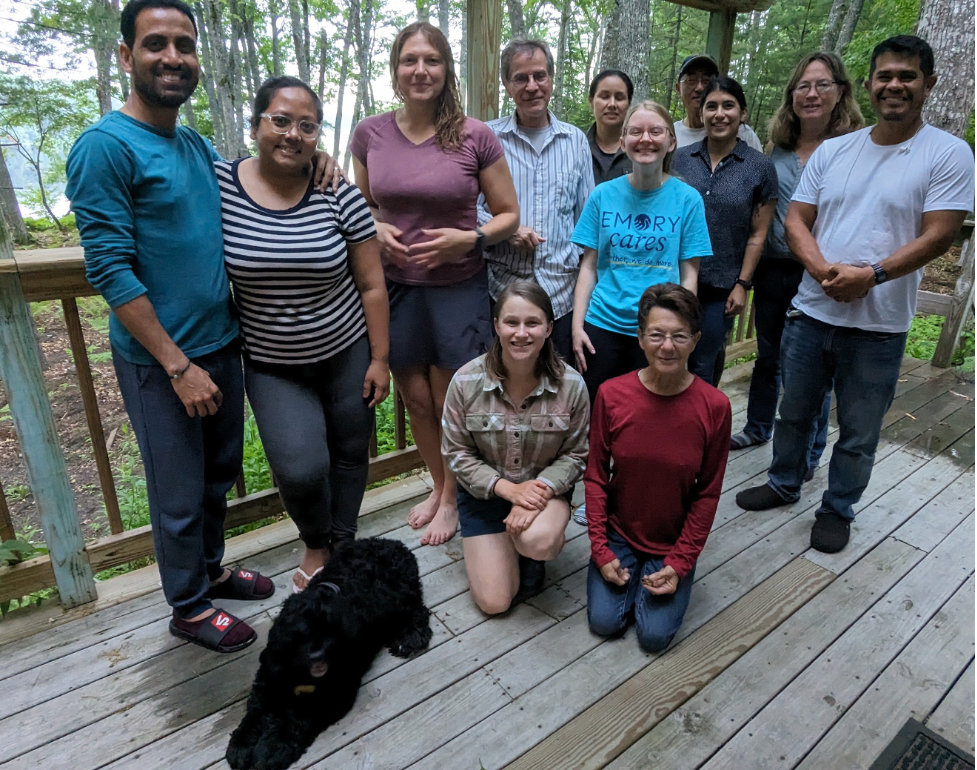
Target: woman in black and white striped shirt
310	291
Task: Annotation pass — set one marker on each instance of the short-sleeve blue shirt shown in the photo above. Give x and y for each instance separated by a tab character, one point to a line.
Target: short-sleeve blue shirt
640	237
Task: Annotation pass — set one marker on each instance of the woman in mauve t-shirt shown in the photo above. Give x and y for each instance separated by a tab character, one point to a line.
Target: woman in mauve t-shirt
421	169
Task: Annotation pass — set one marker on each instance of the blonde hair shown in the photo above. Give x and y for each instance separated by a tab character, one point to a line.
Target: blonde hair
785	126
449	117
651	106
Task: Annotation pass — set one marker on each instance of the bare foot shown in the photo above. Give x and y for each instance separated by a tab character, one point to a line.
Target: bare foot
423	513
443	527
313	561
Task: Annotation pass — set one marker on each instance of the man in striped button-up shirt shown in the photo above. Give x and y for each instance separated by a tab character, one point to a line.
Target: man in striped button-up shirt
552	168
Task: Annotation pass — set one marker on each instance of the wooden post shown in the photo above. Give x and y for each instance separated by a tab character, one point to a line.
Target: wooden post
95	431
6	525
719	39
484	46
960	307
30	409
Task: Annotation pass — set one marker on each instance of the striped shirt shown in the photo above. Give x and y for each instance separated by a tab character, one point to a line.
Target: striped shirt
552	187
293	285
485	437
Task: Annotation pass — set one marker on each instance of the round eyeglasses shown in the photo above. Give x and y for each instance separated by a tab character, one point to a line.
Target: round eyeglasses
282	124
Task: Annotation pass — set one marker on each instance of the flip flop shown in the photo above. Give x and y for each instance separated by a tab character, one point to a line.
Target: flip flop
743	441
308	579
211	632
243	585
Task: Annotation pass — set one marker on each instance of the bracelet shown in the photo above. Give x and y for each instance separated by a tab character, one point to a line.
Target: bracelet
744	283
183	371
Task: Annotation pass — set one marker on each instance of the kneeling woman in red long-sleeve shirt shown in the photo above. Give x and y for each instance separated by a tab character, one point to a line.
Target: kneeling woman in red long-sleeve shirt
659	438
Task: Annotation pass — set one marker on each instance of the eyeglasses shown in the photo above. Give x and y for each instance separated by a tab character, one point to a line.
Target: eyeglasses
822	86
656	132
679	339
696	80
282	124
522	78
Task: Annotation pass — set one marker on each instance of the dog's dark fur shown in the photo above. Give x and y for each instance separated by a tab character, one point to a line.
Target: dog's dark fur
379	605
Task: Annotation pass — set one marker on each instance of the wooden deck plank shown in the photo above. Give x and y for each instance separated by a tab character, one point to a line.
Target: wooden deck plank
419	730
910	687
789	726
954	717
385	698
691	734
609	726
943	514
569	689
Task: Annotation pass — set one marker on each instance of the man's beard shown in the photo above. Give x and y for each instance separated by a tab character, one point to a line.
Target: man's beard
145	85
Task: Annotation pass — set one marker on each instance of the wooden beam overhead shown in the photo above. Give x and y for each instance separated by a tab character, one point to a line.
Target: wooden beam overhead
718	6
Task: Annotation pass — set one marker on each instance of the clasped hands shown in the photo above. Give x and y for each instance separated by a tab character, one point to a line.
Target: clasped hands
528	499
447	245
846	283
660	583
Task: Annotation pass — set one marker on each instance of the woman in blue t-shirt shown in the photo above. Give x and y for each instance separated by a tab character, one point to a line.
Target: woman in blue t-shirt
636	231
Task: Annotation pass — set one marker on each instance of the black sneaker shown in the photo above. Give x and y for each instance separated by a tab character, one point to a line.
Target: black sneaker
830	532
532	575
759	499
809	473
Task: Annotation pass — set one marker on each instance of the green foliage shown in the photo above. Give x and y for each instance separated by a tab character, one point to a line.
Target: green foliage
925	333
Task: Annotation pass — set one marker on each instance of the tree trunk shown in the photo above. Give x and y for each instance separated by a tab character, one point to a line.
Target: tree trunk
610	55
444	16
298	39
561	60
276	46
189	114
323	58
363	32
517	22
833	26
673	64
236	67
9	207
423	10
463	56
354	12
357	111
103	78
252	49
632	43
947	25
848	28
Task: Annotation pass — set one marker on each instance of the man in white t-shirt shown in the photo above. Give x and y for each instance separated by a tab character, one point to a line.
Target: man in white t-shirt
693	76
871	209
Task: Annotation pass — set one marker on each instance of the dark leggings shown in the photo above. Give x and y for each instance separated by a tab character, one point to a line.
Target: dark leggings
616	354
316	429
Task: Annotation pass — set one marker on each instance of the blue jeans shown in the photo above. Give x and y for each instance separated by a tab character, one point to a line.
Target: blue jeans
716	326
864	367
190	463
657	618
316	428
775	284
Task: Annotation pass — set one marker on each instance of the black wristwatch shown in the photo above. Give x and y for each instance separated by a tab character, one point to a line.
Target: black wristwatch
880	275
479	240
748	285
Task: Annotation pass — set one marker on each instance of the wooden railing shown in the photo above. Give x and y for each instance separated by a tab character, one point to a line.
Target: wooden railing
58	274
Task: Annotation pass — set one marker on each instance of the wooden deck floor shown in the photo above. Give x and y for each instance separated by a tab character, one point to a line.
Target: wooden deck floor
787	657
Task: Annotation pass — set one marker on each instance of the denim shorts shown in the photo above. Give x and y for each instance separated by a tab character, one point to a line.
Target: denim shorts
486	517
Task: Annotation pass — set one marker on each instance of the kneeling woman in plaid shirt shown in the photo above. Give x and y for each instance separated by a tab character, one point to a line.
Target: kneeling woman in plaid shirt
515	434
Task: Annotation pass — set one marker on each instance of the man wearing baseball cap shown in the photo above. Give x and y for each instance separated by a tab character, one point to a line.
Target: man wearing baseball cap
693	76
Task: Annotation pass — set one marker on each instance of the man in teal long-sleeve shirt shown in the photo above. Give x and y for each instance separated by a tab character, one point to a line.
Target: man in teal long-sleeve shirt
146	202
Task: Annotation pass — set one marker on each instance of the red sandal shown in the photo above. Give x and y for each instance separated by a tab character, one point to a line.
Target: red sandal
242	585
220	632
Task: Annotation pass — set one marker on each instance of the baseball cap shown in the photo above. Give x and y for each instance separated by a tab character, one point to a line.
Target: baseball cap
702	60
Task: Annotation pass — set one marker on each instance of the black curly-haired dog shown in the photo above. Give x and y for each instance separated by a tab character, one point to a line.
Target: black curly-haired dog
325	639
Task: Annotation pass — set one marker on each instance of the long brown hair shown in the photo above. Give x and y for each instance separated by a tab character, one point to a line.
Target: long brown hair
449	117
549	361
785	126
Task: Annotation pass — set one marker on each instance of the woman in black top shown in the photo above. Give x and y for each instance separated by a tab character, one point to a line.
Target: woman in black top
610	97
739	187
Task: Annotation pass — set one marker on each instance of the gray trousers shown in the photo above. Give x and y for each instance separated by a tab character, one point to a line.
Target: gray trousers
316	429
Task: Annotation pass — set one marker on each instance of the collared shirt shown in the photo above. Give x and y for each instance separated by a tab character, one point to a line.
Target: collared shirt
552	187
607	165
486	437
743	180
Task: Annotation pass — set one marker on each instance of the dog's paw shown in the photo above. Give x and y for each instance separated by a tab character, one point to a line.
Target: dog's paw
239	756
275	752
412	642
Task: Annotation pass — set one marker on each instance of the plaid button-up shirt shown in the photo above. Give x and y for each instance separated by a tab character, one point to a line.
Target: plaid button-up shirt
485	436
